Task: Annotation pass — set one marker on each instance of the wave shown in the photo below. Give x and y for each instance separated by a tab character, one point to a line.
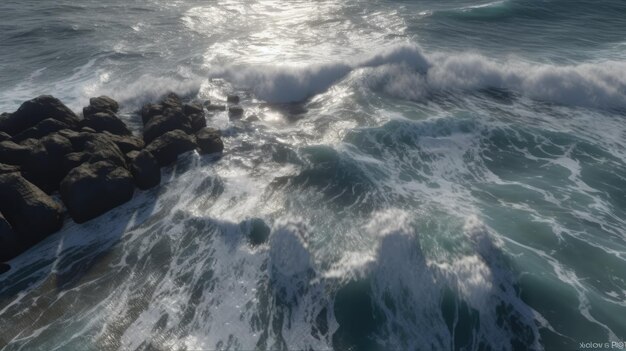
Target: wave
405	71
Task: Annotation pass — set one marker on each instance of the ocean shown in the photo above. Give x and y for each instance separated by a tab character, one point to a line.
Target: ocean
436	175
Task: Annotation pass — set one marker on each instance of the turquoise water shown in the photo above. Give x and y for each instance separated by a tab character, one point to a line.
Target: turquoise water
436	174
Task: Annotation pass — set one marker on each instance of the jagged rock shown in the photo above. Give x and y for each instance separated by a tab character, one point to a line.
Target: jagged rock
12	153
100	104
233	99
168	146
209	141
106	121
172	100
125	143
8	168
4	136
93	189
159	125
150	110
44	165
197	122
192	108
88	130
34	111
43	128
235	112
145	169
252	118
211	108
33	215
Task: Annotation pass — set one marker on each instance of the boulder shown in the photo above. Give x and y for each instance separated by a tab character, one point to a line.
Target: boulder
106	121
31	112
212	108
98	147
43	128
4	136
197	122
172	100
159	125
235	112
44	166
93	189
145	169
100	104
8	169
33	214
233	99
168	146
209	141
150	110
12	153
192	109
126	143
4	268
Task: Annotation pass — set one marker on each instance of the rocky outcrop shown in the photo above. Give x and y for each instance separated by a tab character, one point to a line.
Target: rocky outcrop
41	129
145	169
106	121
34	111
31	213
44	164
171	114
161	124
235	112
100	104
92	189
232	99
12	153
209	141
168	146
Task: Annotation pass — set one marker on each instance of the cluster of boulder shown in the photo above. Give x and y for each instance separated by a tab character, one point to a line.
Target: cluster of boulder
93	162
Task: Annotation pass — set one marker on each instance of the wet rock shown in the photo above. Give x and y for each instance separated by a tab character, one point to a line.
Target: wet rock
172	101
197	122
252	118
209	141
4	136
257	231
215	107
233	99
192	108
31	112
159	125
100	104
12	153
43	128
106	121
235	112
8	168
150	110
44	165
145	169
125	143
33	214
4	268
93	189
168	146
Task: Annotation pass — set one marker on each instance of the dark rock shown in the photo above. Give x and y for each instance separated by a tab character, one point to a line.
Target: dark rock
44	165
145	170
32	214
257	231
106	121
252	118
235	112
93	189
159	125
233	99
168	146
172	100
8	168
12	153
192	109
87	130
34	111
209	141
43	128
206	103
4	136
150	110
125	143
215	107
197	122
100	104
